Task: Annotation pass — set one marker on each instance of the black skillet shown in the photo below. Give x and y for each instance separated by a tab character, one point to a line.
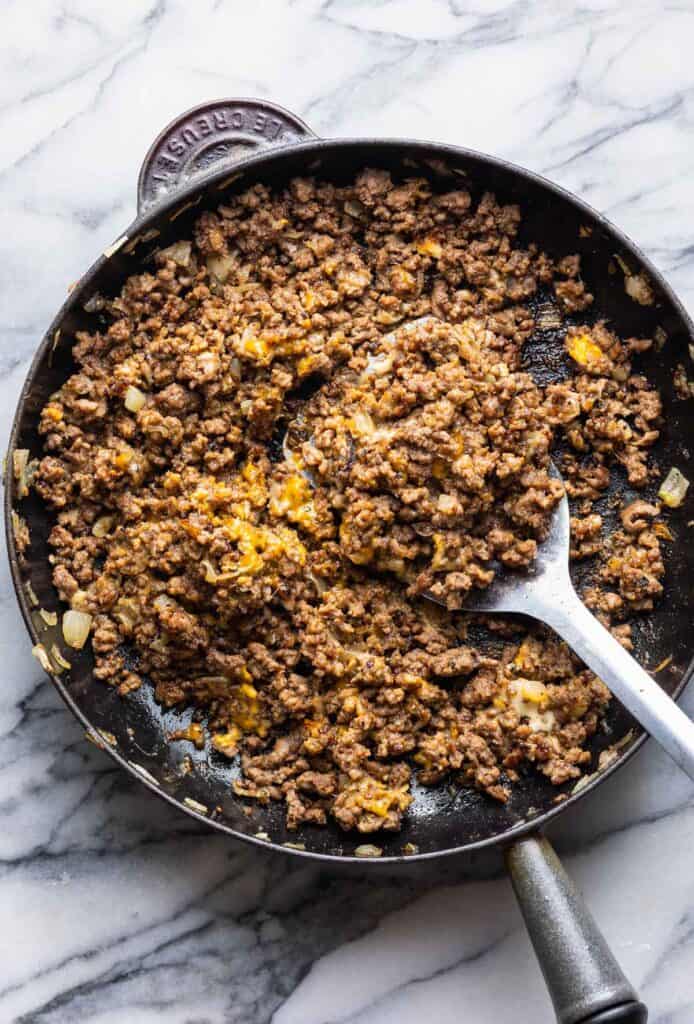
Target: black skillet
203	156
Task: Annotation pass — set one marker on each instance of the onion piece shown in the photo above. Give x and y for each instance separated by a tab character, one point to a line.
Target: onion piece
102	526
287	452
134	399
50	618
195	805
41	655
58	657
76	627
368	850
179	252
378	365
220	267
25	470
20	459
211	575
20	530
639	289
673	488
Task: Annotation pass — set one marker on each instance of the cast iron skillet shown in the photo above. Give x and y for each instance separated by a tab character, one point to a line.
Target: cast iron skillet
223	147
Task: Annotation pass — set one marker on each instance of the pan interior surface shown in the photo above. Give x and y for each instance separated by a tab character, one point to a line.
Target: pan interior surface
446	817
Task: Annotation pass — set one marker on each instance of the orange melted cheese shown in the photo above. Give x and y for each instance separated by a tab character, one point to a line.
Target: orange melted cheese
584	351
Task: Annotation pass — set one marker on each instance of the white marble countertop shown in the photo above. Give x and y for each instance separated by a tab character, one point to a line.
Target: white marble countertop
113	907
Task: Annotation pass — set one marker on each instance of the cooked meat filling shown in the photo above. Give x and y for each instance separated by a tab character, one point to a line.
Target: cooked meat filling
434	456
277	594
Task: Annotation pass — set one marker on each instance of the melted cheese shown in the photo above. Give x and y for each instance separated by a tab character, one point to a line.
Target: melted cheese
256	545
528	698
227	742
293	499
430	247
373	796
584	351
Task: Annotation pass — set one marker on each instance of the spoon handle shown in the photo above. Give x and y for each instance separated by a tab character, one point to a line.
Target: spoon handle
630	684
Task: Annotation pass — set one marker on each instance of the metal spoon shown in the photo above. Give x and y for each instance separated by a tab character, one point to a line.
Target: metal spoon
546	593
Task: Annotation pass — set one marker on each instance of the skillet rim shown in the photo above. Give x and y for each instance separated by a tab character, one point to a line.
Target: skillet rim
179	197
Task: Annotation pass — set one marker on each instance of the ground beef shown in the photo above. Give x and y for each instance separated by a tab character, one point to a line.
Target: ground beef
279	597
435	457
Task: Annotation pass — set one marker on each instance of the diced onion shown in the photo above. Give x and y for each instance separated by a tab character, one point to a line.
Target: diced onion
376	366
41	655
195	805
24	470
20	530
20	458
368	850
210	571
58	657
179	252
102	526
134	399
286	450
639	289
76	628
220	267
673	488
50	618
363	423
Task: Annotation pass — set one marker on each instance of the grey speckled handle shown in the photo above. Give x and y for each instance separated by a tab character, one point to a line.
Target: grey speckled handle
585	981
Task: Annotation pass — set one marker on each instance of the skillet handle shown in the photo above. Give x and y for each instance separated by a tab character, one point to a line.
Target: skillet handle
585	981
212	136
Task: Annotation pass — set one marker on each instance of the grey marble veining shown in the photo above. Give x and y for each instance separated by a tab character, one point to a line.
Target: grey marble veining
113	907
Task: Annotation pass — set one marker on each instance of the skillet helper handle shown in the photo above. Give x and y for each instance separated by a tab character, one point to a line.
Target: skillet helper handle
585	981
631	685
210	137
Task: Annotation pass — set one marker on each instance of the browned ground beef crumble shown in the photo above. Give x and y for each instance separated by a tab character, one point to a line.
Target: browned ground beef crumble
280	596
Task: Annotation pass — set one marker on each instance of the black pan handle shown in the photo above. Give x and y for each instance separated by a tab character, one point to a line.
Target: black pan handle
210	136
585	981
